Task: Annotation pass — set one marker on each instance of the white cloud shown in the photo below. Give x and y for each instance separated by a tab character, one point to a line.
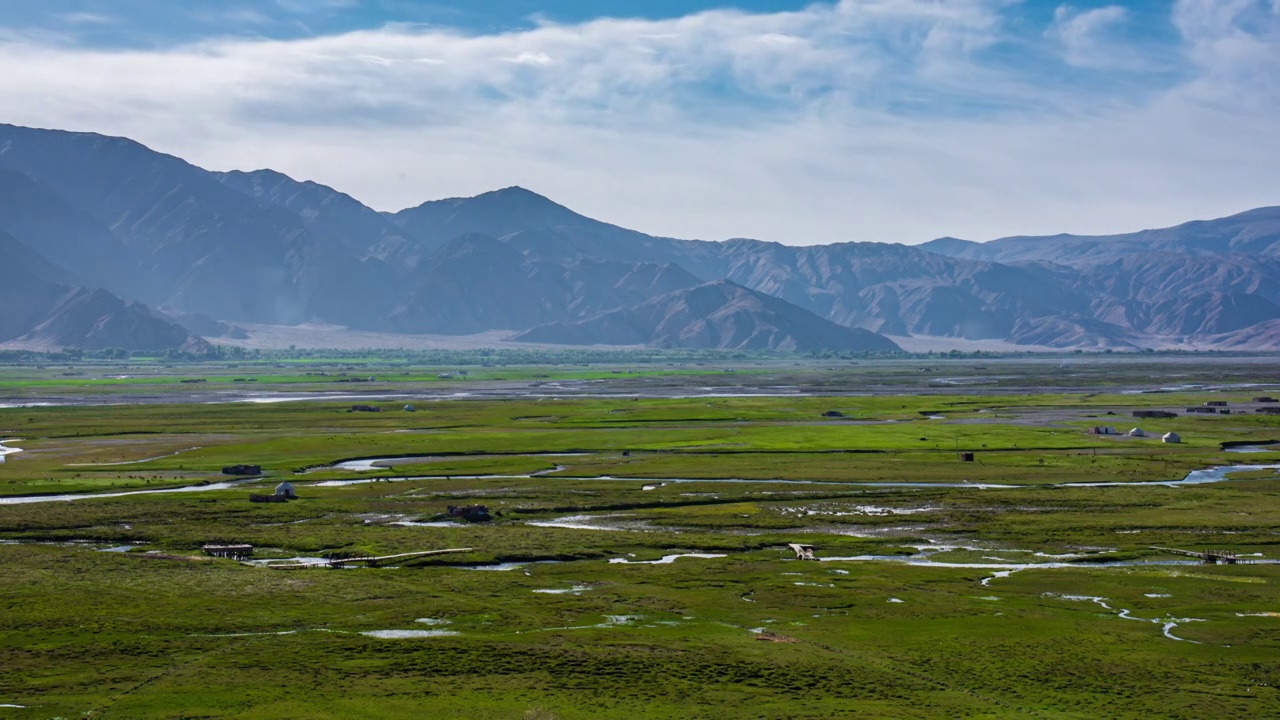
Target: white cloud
1085	37
86	18
860	120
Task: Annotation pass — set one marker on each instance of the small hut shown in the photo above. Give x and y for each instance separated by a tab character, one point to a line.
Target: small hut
1172	438
285	489
1137	432
410	408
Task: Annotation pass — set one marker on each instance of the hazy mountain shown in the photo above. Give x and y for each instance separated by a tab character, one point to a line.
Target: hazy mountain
61	233
262	247
1263	336
720	315
205	326
31	287
1255	232
39	308
475	283
360	229
96	320
199	245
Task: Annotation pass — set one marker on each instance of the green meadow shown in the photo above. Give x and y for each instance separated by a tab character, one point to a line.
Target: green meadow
638	564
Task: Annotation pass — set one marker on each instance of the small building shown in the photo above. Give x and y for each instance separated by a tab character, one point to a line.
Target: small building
238	552
410	408
1216	403
242	470
967	457
1102	430
286	489
1172	438
833	414
1265	399
470	513
1154	414
1137	432
259	498
1269	410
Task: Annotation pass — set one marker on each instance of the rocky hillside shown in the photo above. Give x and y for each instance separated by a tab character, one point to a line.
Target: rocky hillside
720	315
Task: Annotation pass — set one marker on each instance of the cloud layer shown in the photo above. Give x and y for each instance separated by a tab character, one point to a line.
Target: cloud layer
895	120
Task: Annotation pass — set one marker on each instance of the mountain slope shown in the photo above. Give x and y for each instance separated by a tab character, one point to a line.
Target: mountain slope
65	236
358	228
262	247
38	308
198	244
475	283
718	315
96	320
1254	232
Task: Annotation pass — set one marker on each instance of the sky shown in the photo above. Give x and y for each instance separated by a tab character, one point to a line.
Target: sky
796	122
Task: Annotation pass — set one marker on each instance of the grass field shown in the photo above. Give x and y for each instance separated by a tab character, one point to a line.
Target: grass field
986	589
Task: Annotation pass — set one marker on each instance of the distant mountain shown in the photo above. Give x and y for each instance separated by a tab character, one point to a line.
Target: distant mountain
38	308
96	320
216	249
1255	232
198	244
61	233
496	214
720	315
475	283
360	229
205	326
1263	336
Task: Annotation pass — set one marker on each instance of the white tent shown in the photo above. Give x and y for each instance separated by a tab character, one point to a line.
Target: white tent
285	489
409	408
1137	432
1173	437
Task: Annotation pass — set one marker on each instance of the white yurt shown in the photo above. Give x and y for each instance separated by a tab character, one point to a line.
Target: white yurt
410	408
1137	432
285	489
1172	438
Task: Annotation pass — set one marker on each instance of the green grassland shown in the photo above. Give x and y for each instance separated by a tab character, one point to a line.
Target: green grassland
956	599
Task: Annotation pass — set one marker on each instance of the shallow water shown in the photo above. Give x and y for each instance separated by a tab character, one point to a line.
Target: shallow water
1261	448
133	462
666	559
409	634
69	497
575	590
8	450
580	522
1167	623
1195	477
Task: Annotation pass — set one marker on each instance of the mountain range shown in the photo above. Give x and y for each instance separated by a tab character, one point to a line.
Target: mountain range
98	231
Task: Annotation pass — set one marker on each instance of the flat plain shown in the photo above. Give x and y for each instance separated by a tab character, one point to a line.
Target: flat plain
637	564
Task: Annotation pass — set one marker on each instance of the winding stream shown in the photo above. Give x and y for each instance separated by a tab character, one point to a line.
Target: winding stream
1195	477
68	497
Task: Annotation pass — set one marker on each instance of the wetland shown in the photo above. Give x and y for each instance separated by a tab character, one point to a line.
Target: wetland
637	561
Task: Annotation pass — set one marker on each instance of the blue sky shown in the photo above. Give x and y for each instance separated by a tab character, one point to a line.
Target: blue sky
896	120
134	23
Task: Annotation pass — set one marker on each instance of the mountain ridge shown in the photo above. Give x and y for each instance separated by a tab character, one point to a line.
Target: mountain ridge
261	247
